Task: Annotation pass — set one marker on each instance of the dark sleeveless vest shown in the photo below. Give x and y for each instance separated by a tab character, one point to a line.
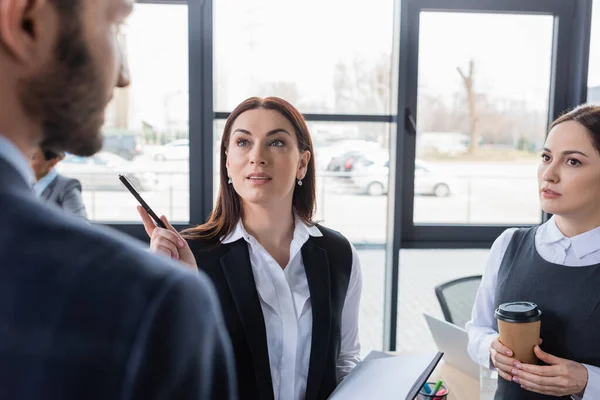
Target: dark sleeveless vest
328	264
569	298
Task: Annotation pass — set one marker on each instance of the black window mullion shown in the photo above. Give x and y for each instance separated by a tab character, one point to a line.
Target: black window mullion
201	109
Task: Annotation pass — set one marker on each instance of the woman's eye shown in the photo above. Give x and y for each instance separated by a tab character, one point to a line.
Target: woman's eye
545	157
242	142
277	143
573	162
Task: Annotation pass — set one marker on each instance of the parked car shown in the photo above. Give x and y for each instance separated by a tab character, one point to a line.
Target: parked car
344	162
340	155
100	172
370	176
175	150
126	145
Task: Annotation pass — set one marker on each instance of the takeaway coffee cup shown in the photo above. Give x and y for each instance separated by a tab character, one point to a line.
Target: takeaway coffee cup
519	326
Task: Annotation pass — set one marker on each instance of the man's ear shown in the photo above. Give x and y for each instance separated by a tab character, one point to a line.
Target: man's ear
23	25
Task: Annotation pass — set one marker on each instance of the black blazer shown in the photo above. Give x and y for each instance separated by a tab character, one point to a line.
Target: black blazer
66	194
87	313
328	264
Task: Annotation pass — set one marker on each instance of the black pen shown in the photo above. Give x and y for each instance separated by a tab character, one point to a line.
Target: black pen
135	194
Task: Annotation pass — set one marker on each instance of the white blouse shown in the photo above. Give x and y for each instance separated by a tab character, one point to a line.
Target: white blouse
578	252
286	306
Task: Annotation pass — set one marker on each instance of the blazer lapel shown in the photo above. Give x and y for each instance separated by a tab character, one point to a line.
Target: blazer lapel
316	265
238	272
47	193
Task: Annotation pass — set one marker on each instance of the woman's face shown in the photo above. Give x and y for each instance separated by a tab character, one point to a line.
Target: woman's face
569	173
263	158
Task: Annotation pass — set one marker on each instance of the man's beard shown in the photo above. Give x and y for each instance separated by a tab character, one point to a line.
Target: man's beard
68	97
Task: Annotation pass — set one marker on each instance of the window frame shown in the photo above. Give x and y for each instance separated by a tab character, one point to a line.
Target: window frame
570	60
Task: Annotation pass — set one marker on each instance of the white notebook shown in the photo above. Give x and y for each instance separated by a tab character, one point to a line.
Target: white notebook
385	376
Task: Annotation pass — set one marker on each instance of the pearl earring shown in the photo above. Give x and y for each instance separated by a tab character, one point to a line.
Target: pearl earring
229	181
299	182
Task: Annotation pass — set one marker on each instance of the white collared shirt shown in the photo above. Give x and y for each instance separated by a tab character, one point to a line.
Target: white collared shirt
285	302
579	251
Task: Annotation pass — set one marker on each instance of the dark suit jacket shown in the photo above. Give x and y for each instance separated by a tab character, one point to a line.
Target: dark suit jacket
65	193
328	265
86	313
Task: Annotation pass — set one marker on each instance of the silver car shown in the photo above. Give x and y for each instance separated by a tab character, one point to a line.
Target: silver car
371	177
100	172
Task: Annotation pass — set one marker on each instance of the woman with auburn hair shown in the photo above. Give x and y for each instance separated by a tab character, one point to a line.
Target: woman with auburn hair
289	288
557	267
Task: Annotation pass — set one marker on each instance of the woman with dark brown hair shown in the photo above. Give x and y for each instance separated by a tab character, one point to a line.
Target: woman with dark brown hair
556	266
289	288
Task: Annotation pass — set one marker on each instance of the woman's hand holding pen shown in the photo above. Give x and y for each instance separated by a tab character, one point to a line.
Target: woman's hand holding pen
167	241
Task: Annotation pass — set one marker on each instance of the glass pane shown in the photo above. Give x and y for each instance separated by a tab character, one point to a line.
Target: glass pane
594	69
420	272
352	182
146	130
317	60
483	95
352	177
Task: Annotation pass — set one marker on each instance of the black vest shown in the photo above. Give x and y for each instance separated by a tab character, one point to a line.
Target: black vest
328	264
568	297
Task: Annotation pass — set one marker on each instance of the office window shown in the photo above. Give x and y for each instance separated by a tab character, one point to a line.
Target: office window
482	107
594	69
329	56
146	129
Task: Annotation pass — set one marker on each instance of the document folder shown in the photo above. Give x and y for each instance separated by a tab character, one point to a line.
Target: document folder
385	376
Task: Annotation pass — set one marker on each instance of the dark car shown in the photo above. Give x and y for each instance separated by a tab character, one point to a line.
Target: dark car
126	145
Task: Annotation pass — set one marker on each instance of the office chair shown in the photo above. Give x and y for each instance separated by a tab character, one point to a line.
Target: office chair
457	297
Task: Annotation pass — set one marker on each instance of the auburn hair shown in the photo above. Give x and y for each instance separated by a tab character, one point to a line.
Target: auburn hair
228	210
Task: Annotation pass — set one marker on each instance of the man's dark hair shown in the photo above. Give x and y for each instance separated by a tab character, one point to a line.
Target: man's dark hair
51	154
67	8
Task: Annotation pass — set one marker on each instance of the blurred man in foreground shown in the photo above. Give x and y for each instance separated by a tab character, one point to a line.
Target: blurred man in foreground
86	313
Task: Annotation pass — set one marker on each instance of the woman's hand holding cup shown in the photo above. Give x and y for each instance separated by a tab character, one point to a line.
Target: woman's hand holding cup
502	358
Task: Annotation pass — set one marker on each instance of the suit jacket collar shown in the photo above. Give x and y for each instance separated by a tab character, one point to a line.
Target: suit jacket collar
10	153
47	182
12	180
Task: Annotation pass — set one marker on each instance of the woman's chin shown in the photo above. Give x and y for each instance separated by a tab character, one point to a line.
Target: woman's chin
256	198
551	208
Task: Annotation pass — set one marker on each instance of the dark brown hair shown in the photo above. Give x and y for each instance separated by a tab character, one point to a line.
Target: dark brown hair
588	115
51	154
228	210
